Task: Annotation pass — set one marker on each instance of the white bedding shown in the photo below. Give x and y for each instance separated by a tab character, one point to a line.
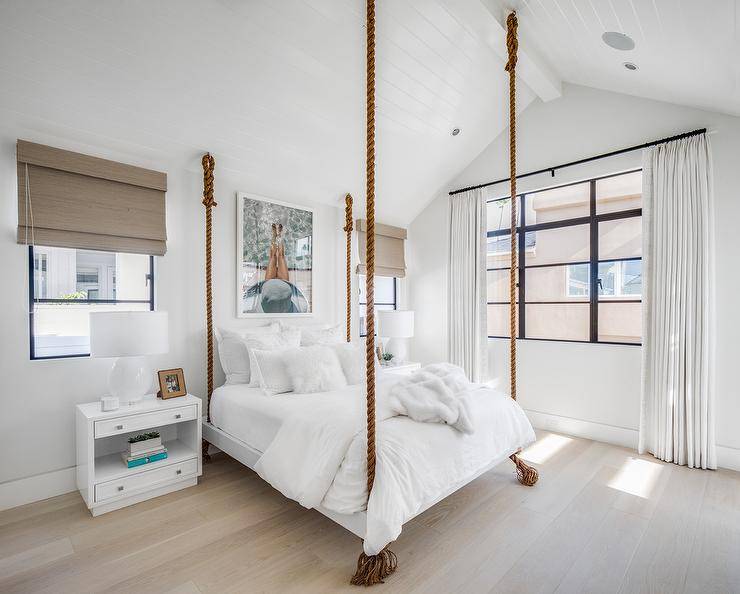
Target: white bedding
315	449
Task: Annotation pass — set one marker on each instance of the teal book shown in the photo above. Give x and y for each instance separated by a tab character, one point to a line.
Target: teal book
146	459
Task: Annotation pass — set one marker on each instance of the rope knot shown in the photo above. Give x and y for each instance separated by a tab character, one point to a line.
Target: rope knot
347	214
209	163
512	44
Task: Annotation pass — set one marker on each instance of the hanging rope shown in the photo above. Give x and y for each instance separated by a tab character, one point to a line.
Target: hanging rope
348	231
371	569
512	45
209	164
526	475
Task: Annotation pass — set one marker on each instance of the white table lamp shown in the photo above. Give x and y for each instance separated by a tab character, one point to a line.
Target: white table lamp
130	336
397	326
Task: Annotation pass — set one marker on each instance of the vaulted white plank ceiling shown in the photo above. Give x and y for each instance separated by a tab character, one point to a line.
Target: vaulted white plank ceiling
275	89
687	51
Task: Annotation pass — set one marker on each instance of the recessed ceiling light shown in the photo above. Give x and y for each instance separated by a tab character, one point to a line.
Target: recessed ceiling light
618	41
630	66
455	131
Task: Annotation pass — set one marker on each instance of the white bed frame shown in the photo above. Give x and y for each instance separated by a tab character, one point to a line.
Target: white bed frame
356	522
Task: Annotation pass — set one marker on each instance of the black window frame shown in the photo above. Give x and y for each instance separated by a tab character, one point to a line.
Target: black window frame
394	304
592	219
32	300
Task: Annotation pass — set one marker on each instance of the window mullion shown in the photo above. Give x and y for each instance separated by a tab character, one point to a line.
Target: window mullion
520	265
594	265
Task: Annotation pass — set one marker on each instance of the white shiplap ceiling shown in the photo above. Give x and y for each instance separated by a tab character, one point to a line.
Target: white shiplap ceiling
687	51
275	89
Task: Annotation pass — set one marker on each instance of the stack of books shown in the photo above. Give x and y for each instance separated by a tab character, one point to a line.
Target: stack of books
158	453
143	451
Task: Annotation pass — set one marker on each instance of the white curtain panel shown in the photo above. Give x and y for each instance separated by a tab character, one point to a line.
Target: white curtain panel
677	413
468	333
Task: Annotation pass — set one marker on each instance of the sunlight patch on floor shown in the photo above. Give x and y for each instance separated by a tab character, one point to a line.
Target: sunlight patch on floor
544	449
637	477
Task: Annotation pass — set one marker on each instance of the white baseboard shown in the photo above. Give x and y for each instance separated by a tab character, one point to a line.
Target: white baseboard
621	436
727	457
37	487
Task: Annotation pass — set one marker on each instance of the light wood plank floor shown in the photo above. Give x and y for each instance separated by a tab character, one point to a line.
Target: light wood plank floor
601	519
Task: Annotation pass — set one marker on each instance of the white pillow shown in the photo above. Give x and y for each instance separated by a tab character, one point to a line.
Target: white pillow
331	335
284	339
232	352
319	333
314	369
270	371
352	358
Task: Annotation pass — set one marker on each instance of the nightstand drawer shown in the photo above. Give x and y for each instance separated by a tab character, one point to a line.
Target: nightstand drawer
146	420
145	480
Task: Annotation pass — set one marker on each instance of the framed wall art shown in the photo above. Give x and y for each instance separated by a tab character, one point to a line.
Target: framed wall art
274	258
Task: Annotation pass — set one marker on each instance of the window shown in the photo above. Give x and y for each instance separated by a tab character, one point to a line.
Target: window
67	284
580	262
385	297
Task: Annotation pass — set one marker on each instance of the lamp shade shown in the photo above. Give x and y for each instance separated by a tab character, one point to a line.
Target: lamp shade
128	333
396	323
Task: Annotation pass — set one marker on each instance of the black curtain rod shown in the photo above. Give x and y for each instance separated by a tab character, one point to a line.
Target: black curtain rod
552	169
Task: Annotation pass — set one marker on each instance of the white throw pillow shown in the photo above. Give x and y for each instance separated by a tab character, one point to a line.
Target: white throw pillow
352	359
314	369
270	372
284	339
232	353
318	333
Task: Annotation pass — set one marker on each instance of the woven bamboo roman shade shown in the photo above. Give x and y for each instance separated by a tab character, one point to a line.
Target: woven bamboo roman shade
78	201
390	259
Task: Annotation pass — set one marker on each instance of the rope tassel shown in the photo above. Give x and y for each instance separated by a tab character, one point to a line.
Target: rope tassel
373	569
527	475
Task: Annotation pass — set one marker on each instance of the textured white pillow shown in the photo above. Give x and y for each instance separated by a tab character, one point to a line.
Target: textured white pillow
284	339
233	353
331	335
270	372
318	333
314	369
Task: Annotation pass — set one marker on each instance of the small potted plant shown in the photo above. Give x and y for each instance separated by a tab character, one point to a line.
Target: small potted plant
144	442
387	358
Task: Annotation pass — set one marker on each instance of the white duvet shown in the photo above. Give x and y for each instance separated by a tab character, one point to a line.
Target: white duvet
317	457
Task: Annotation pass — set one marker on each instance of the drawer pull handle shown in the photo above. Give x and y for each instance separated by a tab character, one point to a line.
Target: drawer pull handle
119	427
178	471
178	416
120	488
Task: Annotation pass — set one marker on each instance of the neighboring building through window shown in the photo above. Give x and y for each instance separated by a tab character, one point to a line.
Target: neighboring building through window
67	284
580	262
385	298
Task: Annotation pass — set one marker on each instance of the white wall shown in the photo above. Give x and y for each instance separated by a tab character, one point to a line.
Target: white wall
584	387
38	397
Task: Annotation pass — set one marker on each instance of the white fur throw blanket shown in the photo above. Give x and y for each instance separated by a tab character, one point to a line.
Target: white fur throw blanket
436	394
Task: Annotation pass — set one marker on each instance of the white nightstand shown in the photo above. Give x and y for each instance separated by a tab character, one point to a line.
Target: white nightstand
104	480
405	368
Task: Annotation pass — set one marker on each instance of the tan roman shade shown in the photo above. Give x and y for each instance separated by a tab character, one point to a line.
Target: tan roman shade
389	249
77	201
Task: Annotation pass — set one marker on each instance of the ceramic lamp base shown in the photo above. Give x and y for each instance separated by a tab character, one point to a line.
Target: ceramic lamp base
398	347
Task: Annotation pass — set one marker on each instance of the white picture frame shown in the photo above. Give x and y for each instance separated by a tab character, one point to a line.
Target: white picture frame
297	239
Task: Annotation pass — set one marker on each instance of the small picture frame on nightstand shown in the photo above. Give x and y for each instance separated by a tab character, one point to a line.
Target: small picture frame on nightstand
171	383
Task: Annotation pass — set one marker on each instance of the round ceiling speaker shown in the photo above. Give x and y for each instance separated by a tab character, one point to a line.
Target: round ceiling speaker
619	41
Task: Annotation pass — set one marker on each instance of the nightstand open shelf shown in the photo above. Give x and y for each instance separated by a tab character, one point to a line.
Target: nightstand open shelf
104	480
111	466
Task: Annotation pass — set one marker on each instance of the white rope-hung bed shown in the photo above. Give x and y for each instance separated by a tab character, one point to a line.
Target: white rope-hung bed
323	450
